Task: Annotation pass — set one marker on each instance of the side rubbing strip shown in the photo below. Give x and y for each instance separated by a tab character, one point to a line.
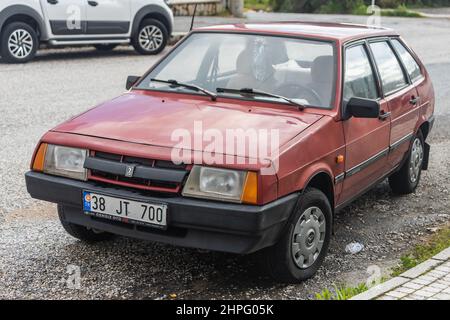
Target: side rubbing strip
399	142
339	178
366	163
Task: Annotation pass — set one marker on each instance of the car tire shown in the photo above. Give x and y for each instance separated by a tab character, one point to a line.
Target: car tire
304	244
151	37
407	179
80	232
105	47
18	43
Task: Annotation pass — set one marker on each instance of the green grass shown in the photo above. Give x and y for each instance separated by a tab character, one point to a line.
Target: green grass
401	11
437	242
341	292
258	5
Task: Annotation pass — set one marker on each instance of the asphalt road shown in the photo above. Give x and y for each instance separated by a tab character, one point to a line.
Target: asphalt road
35	252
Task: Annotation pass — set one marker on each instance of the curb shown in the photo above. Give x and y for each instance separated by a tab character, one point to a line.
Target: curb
407	276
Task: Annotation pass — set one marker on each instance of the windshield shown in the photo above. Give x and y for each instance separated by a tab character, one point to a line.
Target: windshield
298	69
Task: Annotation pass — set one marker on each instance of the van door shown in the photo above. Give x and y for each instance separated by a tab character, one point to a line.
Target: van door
66	17
108	17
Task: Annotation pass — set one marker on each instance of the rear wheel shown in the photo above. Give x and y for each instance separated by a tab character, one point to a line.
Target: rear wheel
105	47
299	253
151	37
18	43
80	232
407	178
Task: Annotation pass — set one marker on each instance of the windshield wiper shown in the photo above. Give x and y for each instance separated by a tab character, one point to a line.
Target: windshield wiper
250	91
188	86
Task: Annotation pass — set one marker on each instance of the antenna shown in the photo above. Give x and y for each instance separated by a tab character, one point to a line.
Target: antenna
193	17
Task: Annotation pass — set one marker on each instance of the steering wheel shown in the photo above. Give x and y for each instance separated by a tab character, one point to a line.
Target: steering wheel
298	91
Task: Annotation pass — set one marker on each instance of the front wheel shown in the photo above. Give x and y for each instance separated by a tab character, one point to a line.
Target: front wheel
302	248
407	178
18	43
151	37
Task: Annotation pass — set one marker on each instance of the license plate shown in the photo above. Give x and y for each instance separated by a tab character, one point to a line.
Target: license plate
125	210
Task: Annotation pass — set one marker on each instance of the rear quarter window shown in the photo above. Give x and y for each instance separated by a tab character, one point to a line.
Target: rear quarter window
391	73
410	63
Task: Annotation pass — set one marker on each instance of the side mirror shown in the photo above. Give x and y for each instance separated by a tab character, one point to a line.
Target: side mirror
131	80
363	108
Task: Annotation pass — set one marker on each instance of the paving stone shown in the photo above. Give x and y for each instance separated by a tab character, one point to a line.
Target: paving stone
397	294
417	297
441	296
406	289
424	293
443	269
421	281
443	255
438	285
427	277
432	289
386	297
412	285
421	269
437	274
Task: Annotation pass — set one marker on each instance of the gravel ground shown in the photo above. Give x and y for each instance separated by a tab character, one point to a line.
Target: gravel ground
35	252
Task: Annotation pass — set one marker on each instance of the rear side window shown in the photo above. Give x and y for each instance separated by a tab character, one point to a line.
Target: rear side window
391	72
411	65
359	77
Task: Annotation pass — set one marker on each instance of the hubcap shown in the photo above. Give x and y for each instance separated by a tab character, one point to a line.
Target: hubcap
150	38
308	237
415	163
20	43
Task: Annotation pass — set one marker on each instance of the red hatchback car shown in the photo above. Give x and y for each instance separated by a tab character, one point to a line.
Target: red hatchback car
325	111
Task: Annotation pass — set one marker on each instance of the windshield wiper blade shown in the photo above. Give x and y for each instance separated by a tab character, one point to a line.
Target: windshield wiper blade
250	91
188	86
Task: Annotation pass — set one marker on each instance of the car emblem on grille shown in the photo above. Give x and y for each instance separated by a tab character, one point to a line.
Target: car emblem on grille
130	171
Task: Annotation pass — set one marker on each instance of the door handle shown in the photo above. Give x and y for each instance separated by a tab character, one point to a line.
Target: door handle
52	1
93	3
414	100
384	115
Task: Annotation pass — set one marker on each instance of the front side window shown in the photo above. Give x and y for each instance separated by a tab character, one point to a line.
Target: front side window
359	78
410	64
299	69
391	72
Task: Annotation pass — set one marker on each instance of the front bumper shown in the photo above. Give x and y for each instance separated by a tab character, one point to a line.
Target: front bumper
194	223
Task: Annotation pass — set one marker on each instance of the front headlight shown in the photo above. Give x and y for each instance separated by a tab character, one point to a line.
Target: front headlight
62	161
221	184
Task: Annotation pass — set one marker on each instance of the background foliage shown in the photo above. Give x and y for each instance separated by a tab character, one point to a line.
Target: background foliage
344	6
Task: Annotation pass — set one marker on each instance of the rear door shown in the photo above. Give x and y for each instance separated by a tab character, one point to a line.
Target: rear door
66	17
367	140
108	17
401	95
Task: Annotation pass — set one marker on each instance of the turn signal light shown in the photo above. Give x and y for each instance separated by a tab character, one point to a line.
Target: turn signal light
250	193
39	159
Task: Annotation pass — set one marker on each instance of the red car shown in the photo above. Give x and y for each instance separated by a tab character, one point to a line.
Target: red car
342	106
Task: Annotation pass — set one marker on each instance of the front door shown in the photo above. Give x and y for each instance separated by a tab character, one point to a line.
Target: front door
108	17
66	17
402	98
367	140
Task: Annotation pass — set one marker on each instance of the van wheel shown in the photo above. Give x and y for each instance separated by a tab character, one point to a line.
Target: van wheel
18	43
302	248
151	37
407	179
80	232
105	47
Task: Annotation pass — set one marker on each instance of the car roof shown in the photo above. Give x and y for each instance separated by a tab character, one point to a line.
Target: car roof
323	30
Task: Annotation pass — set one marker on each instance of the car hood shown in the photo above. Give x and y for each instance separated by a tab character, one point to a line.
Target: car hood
154	118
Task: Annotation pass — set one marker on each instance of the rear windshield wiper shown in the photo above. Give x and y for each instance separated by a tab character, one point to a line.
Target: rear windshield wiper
188	86
250	91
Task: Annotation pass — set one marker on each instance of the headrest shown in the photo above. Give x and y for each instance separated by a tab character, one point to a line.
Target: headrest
322	69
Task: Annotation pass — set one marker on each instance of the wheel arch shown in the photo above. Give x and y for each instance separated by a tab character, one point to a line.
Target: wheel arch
323	181
22	13
151	12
